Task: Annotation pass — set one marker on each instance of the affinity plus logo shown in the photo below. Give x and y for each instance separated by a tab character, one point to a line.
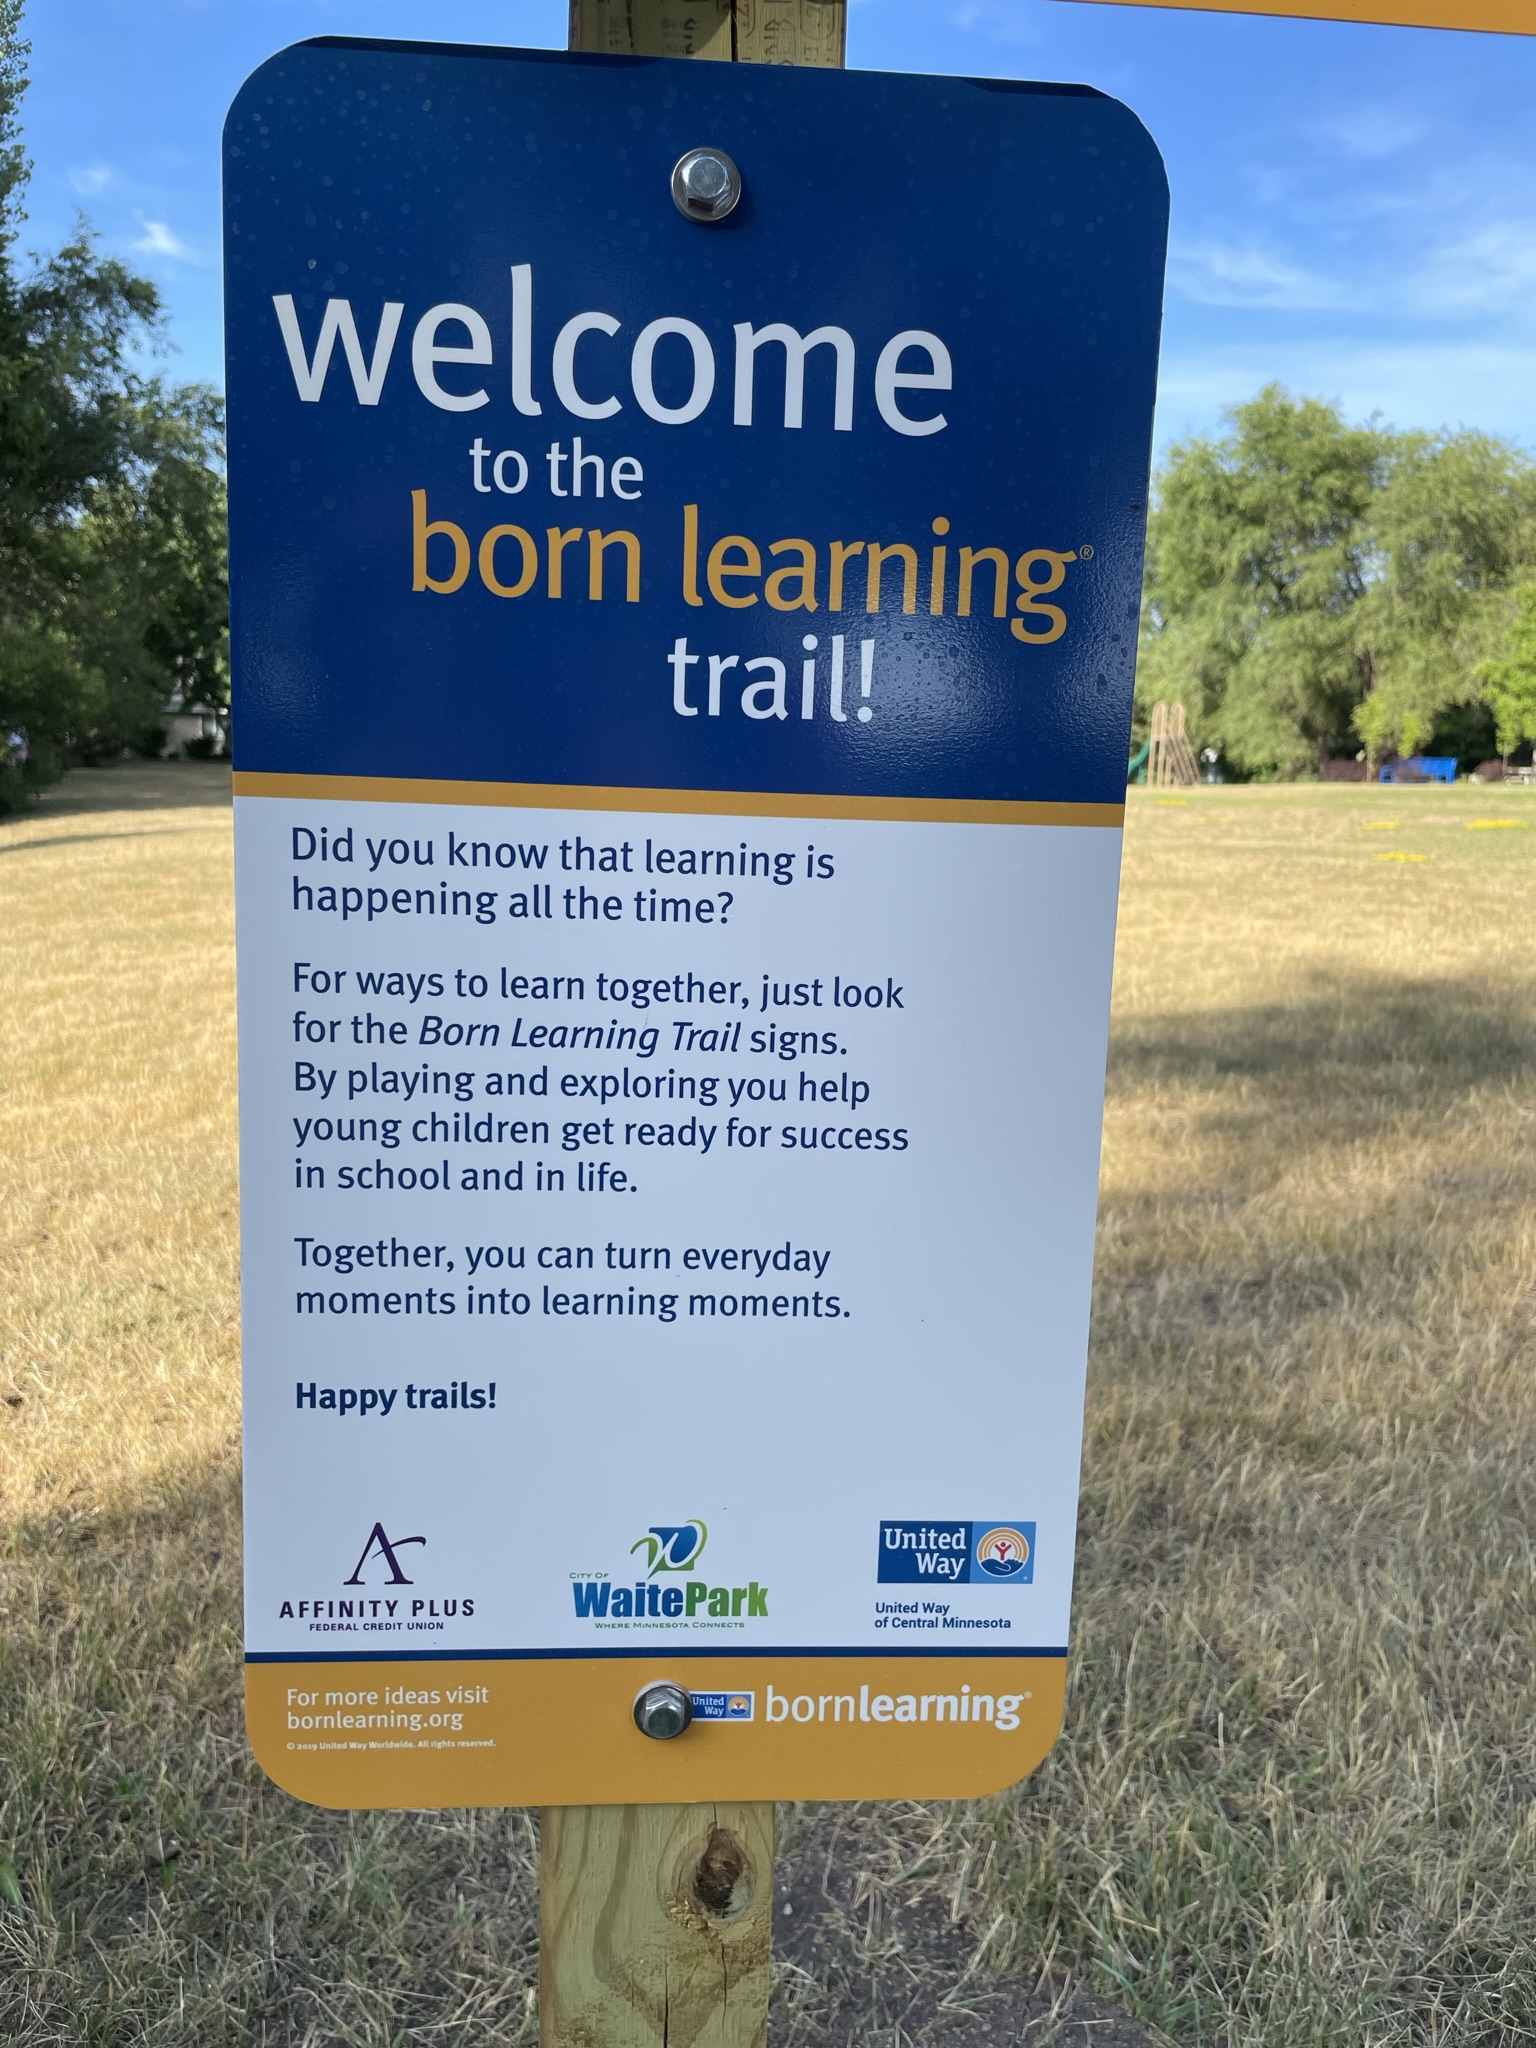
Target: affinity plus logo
379	1548
377	1609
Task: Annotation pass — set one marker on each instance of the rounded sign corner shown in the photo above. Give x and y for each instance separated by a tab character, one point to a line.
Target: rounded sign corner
252	83
279	1759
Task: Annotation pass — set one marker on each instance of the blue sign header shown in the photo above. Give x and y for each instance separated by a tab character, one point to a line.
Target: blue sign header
534	479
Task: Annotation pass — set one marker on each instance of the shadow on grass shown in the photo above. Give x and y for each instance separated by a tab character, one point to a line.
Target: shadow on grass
1395	1117
134	786
91	838
1358	1036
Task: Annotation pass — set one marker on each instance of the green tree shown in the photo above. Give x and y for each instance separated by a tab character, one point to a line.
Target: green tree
152	594
1311	585
1453	527
1259	552
1509	685
111	564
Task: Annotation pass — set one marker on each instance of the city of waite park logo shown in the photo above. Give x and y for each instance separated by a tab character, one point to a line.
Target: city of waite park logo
672	1549
667	1547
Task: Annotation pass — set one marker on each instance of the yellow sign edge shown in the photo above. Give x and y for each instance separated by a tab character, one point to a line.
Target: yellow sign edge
714	803
1487	17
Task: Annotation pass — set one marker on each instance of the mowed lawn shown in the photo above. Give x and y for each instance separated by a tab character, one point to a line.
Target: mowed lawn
1295	1803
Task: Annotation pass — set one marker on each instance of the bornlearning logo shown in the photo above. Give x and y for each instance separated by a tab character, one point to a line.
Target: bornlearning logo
675	1549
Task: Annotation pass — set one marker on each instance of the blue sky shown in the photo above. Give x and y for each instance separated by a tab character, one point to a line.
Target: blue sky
1354	208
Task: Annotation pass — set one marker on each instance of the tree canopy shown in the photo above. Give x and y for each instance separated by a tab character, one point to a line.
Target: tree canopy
1510	684
1317	590
112	580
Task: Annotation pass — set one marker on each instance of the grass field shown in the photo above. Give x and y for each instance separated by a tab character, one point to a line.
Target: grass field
1296	1800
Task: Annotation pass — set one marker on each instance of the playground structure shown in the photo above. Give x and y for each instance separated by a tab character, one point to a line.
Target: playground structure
1421	768
1166	760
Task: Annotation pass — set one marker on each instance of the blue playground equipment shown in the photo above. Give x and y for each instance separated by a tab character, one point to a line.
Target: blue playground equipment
1421	767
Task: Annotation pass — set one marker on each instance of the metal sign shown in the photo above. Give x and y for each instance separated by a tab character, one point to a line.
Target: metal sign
1491	17
687	527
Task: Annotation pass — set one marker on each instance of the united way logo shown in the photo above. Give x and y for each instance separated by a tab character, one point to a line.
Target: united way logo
979	1552
723	1706
675	1548
1005	1553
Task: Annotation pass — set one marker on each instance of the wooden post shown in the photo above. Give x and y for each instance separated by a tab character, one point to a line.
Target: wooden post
656	1922
748	31
655	1926
654	28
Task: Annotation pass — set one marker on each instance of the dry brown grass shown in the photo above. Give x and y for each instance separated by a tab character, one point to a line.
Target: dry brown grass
1297	1800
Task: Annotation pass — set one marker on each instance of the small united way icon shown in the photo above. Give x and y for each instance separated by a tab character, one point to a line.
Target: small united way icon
1004	1553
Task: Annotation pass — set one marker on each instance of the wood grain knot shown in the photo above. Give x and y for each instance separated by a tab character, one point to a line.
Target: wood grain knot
723	1878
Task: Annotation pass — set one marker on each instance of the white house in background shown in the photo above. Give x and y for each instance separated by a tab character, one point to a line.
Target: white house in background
185	722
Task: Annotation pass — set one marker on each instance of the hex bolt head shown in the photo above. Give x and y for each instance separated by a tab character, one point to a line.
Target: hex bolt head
705	185
663	1710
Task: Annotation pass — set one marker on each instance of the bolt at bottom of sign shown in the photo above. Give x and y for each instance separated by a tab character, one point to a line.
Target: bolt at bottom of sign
663	1711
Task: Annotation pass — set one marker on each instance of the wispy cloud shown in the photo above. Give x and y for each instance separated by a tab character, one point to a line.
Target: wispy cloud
160	240
1487	274
1446	249
1369	131
89	179
1413	384
1217	273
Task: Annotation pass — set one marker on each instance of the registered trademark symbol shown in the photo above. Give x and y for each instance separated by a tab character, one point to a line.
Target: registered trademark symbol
1086	553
